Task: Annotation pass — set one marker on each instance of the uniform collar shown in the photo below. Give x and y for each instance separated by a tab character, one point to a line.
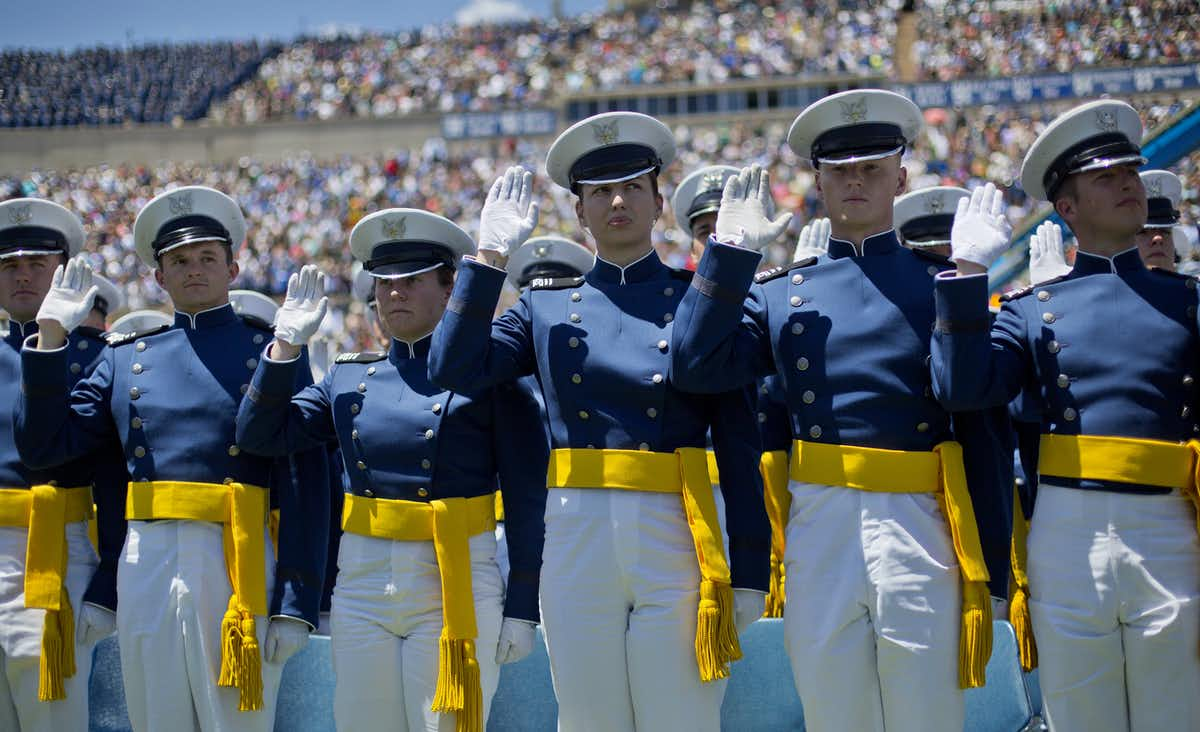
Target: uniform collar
211	318
1125	261
884	242
18	332
410	350
639	270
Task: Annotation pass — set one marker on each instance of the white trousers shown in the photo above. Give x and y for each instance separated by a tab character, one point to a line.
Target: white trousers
174	591
1115	603
619	592
386	622
21	638
872	618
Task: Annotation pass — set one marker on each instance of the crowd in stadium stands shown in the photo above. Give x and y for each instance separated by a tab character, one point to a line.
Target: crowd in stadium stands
959	38
101	86
301	209
454	68
459	67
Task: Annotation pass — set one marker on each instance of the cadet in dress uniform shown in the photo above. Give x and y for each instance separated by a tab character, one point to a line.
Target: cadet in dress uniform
418	514
197	575
1156	240
638	602
56	595
1109	353
882	644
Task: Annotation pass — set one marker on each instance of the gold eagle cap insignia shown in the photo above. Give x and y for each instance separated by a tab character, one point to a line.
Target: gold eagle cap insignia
712	181
1154	188
606	133
1106	120
854	112
181	204
394	226
18	215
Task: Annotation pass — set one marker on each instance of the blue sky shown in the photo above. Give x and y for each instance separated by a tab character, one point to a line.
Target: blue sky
69	24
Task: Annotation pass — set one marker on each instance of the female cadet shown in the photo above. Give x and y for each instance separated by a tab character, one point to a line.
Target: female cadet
417	585
638	605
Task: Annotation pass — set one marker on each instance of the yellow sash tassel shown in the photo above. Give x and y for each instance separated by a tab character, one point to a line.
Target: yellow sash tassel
449	523
1018	602
774	470
273	530
45	510
685	471
940	472
242	511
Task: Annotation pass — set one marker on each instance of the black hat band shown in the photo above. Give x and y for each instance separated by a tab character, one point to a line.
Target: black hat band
613	162
869	138
1075	158
33	238
546	270
706	202
188	229
1160	212
408	256
933	226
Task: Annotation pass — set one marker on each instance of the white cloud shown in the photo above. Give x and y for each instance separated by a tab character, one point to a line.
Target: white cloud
490	11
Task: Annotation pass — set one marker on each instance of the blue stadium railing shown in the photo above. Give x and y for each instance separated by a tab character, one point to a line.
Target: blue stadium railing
760	696
1173	142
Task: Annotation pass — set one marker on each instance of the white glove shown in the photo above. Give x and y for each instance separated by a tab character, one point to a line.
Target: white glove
509	215
70	297
1047	256
746	210
95	623
981	230
304	307
516	640
814	240
748	606
285	638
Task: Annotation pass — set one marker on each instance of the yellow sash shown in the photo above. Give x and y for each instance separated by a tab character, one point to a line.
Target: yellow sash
449	523
774	469
1120	460
46	510
940	472
685	472
242	510
1018	591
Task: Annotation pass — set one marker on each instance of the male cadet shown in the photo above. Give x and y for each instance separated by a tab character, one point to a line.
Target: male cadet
56	597
880	518
1109	353
1156	240
695	203
417	589
639	602
197	575
540	258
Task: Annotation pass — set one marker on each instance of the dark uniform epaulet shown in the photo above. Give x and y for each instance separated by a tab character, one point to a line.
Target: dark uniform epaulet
256	322
554	283
1006	297
680	273
940	260
361	357
119	339
769	274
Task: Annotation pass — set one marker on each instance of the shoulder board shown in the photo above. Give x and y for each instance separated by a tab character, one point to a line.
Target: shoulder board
939	259
680	273
361	357
769	274
256	322
120	339
554	283
1029	289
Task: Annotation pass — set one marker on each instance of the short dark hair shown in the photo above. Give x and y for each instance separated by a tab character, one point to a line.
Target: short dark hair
1069	187
445	275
